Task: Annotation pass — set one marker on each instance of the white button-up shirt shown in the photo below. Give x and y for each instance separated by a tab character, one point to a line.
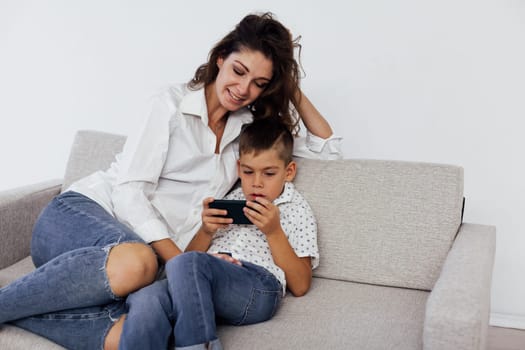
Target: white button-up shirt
157	184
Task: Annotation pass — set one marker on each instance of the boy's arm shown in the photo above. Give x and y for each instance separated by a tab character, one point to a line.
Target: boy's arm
211	222
200	242
298	271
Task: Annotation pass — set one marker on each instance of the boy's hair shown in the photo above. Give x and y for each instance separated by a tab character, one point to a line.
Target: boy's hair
265	134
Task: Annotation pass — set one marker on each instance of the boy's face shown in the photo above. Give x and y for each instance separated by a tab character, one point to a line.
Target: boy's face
264	174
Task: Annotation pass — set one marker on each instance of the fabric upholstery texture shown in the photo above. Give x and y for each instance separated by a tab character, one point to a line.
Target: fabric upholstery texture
466	268
383	222
20	268
12	338
91	151
19	209
392	273
338	315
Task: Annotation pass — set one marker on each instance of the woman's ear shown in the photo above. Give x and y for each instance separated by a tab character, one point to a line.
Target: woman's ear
220	62
291	170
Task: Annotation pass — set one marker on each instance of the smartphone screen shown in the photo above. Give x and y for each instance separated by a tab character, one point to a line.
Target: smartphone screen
234	208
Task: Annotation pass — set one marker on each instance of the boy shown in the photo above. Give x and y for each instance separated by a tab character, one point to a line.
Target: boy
245	284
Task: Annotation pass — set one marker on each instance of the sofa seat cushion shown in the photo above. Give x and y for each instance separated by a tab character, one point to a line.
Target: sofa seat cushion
338	315
352	315
19	269
15	338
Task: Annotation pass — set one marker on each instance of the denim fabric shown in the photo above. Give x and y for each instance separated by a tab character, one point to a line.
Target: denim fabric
149	320
203	288
67	298
79	329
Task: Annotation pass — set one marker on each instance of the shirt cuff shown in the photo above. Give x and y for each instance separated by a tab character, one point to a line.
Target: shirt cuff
152	230
317	144
315	147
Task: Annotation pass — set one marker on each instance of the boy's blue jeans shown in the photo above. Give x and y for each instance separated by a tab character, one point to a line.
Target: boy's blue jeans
67	298
204	289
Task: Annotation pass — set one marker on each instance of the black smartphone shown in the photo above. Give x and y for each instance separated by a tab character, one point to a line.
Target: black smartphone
234	208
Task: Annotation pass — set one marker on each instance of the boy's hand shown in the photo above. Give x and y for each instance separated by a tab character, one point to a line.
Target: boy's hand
210	222
264	214
227	258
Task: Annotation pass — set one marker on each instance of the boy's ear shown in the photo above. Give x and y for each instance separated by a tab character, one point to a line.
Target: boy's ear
291	170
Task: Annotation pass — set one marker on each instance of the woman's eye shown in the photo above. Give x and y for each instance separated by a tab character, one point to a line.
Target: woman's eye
237	71
261	85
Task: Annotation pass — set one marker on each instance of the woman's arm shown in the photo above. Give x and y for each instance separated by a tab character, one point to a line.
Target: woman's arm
139	168
166	249
319	143
311	117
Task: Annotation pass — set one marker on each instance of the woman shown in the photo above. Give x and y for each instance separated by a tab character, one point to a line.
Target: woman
99	241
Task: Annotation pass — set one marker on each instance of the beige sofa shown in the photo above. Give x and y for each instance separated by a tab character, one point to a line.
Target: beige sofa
398	268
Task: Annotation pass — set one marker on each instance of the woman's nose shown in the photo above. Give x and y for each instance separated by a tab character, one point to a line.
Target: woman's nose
244	86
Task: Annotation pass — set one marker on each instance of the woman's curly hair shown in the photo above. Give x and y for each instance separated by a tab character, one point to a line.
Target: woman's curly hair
261	32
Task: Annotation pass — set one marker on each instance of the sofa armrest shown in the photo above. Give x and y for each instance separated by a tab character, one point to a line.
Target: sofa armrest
19	209
457	310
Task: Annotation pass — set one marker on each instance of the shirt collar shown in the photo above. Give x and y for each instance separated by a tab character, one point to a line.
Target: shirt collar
287	194
194	103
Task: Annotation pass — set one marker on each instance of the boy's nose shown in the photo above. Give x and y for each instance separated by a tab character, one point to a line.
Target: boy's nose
257	181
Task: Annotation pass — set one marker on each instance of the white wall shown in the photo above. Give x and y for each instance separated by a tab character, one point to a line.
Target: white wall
436	81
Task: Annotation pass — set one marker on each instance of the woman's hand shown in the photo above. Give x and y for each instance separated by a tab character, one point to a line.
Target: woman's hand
264	214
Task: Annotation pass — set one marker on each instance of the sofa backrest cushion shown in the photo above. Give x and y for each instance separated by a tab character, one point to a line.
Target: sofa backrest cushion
380	222
383	222
91	151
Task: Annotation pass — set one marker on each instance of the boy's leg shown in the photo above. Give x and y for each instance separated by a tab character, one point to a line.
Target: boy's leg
148	324
203	287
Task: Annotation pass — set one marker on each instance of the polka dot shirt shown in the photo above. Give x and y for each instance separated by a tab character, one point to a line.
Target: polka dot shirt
248	243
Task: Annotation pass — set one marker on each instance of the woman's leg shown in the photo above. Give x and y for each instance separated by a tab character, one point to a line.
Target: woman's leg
203	287
85	257
80	329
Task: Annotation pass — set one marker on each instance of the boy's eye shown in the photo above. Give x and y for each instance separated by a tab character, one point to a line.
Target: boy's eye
270	174
247	172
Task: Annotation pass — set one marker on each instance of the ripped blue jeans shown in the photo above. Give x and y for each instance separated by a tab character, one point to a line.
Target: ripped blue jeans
67	299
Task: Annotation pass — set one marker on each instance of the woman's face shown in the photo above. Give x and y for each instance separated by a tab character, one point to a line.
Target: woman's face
242	77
